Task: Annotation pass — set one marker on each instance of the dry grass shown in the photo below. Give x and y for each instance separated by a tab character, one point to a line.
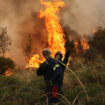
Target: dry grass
25	88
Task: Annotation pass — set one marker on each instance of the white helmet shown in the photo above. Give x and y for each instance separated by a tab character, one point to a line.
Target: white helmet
46	51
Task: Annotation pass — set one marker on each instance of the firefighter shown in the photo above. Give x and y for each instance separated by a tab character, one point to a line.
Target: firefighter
58	56
51	71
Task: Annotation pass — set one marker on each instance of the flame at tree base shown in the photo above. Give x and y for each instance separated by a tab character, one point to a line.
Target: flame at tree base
56	40
8	73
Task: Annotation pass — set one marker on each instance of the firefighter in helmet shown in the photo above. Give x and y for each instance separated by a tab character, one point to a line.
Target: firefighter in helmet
58	56
51	71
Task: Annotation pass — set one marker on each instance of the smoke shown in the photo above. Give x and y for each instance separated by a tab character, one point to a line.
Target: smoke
28	32
14	14
34	34
84	15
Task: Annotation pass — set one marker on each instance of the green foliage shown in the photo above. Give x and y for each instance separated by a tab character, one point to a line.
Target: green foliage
90	54
69	45
19	91
25	88
6	63
97	100
72	47
98	41
92	75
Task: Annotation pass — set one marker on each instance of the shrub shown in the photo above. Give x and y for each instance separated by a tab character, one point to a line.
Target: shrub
98	41
91	54
6	63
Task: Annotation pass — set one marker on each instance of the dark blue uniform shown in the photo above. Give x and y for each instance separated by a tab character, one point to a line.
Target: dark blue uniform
65	61
51	71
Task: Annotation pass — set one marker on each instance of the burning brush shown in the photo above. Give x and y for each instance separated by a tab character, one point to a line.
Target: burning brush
56	40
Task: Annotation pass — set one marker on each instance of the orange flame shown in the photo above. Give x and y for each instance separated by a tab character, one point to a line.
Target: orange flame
34	61
85	45
8	73
55	32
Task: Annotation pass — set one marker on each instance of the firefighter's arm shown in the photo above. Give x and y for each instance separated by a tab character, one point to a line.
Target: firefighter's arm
66	57
67	54
41	69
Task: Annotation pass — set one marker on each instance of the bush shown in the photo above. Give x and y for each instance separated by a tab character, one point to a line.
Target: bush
90	55
98	41
5	64
19	91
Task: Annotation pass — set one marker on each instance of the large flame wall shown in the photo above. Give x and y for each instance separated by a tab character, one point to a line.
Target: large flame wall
56	41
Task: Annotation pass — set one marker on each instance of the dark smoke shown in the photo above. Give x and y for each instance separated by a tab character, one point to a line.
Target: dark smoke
20	18
34	35
14	15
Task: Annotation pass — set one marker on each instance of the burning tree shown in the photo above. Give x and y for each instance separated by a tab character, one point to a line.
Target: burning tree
5	41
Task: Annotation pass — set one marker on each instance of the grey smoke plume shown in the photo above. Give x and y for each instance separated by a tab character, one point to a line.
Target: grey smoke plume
12	14
84	15
81	15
